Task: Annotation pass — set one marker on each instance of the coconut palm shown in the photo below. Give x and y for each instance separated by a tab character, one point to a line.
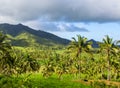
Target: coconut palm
6	59
4	46
109	48
80	45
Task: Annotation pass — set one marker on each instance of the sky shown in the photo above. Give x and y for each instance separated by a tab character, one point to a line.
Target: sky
66	18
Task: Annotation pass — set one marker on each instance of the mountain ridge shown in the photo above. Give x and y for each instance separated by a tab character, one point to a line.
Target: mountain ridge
21	35
95	44
41	37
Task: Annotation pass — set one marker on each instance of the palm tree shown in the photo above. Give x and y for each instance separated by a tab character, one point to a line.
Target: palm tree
80	45
6	59
4	46
108	46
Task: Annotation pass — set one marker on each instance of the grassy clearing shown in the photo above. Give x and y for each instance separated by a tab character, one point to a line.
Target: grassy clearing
37	81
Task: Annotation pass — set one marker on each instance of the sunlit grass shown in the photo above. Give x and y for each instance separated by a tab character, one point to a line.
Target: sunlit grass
37	81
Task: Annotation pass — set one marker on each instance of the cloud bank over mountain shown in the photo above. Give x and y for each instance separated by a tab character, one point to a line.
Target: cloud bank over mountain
60	10
57	26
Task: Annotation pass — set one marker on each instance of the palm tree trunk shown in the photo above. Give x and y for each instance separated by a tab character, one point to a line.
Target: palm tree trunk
79	68
109	72
79	61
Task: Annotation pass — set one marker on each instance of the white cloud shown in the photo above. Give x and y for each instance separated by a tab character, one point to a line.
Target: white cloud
56	26
4	19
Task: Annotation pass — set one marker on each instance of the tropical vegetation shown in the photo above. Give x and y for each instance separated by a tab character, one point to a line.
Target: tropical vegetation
71	66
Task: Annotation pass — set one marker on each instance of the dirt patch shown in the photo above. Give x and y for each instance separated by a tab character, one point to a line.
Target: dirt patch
88	82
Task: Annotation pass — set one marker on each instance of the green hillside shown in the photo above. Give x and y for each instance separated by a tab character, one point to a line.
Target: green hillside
20	35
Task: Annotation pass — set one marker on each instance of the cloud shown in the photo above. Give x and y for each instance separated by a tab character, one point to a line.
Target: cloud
60	10
48	27
56	26
71	27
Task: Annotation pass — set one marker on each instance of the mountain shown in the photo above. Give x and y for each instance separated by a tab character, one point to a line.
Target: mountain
94	43
21	35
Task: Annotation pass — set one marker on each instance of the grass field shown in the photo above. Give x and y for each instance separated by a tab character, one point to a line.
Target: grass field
37	81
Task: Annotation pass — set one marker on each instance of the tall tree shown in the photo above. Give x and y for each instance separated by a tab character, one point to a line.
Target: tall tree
108	46
6	59
80	45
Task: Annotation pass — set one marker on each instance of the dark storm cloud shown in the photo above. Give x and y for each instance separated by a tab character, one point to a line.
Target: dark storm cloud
59	15
60	10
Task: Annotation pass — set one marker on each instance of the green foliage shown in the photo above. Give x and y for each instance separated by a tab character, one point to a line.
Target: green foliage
79	62
25	62
12	61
